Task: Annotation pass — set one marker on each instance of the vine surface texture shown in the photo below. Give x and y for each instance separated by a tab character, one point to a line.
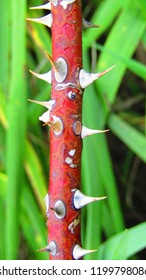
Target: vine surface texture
64	116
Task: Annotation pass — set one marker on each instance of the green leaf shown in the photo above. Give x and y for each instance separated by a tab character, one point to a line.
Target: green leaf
5	44
110	8
35	174
135	140
3	181
129	27
124	245
33	223
17	125
136	67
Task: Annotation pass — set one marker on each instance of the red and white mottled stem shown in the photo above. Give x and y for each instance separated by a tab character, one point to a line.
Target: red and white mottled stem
64	116
66	145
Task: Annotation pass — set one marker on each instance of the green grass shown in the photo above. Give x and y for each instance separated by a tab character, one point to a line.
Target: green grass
24	145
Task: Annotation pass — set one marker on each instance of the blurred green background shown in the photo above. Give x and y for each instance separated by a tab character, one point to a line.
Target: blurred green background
113	164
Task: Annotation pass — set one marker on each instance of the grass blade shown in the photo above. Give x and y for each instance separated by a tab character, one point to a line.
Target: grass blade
133	65
4	44
35	174
135	140
2	219
128	28
32	223
16	131
132	240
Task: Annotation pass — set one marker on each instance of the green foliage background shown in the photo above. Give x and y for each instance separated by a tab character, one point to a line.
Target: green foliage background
113	102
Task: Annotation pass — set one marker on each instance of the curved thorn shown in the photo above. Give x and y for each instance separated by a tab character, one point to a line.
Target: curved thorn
88	131
46	20
81	199
79	252
59	66
86	78
46	76
53	63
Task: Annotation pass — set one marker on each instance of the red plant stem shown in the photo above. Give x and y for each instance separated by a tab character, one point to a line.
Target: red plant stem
66	147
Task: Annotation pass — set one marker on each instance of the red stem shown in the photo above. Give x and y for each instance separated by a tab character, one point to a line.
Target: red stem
65	148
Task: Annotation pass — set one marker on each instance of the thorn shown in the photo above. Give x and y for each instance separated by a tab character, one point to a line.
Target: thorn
45	117
46	6
86	78
64	3
60	210
88	24
46	20
51	248
53	63
59	66
56	124
62	70
54	2
46	200
88	131
46	77
81	200
48	104
45	249
79	252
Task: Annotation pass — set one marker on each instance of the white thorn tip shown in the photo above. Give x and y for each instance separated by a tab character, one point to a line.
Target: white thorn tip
79	252
88	131
86	78
81	199
46	76
48	104
46	20
46	6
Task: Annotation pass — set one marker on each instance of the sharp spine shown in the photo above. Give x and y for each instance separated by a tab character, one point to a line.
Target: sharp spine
53	63
88	24
60	68
81	199
86	78
46	76
46	6
46	20
88	131
48	104
79	252
51	248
